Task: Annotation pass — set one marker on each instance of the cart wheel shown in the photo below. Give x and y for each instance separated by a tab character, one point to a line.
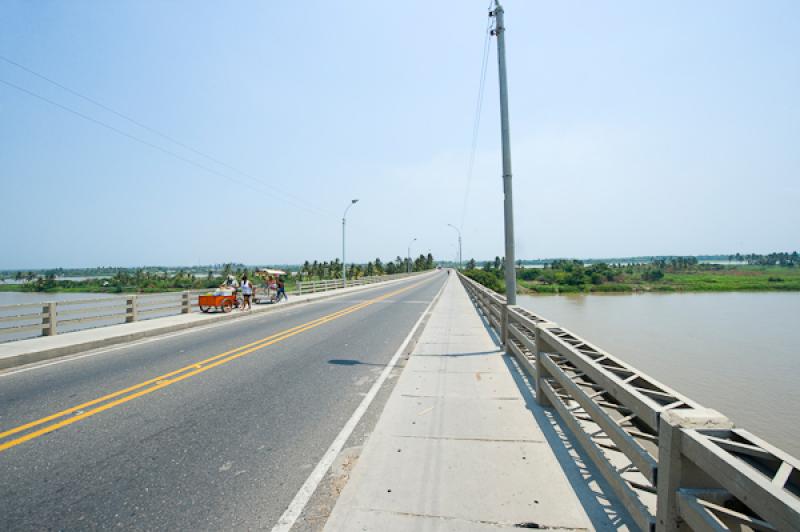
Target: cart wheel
226	306
203	308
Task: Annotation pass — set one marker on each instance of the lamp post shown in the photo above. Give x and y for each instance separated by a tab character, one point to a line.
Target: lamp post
408	269
459	244
344	223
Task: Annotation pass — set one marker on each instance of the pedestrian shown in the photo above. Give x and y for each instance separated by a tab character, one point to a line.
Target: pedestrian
281	290
247	291
273	287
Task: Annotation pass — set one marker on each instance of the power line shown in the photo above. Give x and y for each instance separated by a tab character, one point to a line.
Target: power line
156	132
145	142
477	120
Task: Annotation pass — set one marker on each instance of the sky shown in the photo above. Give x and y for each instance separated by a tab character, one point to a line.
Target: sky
660	128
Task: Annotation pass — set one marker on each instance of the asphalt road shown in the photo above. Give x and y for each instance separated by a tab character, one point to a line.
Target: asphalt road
220	444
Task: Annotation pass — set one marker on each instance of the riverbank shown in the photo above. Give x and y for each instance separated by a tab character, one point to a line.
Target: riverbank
11	287
570	278
737	279
93	289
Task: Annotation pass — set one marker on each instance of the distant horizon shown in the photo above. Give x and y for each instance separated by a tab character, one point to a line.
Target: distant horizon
701	256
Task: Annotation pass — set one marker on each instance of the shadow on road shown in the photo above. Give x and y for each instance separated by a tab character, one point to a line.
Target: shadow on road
351	362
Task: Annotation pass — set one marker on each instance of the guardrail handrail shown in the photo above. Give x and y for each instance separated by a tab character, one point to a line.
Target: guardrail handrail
16	319
672	462
330	284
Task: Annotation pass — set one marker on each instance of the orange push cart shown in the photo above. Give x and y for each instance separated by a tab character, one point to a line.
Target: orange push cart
223	303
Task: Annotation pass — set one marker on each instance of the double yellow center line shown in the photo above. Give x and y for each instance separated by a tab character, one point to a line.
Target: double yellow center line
106	402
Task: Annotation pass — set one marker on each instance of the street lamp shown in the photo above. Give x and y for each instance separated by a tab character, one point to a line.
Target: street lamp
409	255
344	223
459	243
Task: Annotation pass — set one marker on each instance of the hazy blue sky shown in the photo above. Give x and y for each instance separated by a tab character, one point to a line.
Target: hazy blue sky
637	128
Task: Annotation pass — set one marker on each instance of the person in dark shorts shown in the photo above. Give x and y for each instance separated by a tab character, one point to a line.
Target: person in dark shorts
247	291
281	291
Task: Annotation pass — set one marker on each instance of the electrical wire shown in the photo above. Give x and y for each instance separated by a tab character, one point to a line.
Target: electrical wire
477	119
154	131
147	143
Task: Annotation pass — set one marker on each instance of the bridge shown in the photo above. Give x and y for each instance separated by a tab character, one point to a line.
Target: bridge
419	402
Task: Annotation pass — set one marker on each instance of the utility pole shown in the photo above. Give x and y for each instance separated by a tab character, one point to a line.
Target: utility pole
508	204
408	269
460	258
344	262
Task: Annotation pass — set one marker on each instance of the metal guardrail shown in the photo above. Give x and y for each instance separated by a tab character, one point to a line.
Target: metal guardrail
306	287
53	317
674	464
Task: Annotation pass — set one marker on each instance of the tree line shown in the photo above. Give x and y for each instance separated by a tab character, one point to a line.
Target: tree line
783	258
333	269
667	273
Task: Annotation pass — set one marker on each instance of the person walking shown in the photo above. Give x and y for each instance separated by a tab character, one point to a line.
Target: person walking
281	290
247	291
273	289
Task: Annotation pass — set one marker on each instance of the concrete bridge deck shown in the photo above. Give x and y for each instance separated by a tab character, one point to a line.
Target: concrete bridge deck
462	446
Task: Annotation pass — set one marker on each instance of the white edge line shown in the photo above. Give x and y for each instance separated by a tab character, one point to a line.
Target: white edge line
289	517
136	343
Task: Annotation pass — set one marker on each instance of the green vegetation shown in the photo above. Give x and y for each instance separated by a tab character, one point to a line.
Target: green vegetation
491	276
160	279
11	287
776	271
121	282
771	259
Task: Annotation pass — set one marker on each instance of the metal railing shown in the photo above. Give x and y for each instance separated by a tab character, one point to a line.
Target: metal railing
49	318
673	464
55	317
306	287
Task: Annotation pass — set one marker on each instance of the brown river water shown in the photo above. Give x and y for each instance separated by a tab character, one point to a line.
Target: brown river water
736	352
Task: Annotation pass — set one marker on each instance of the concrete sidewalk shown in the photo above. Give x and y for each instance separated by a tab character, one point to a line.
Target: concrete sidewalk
458	447
20	352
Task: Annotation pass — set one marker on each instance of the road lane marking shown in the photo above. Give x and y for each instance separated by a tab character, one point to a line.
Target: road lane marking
4	373
289	517
167	379
151	381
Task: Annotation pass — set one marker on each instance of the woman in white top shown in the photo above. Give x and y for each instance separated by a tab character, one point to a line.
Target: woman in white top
247	291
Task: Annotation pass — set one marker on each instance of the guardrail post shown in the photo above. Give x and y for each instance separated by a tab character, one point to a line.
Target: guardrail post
50	322
130	309
674	470
185	305
504	327
542	348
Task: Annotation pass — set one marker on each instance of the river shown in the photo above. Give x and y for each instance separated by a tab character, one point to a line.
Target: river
736	352
19	298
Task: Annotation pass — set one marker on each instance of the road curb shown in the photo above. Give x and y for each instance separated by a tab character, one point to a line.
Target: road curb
12	361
